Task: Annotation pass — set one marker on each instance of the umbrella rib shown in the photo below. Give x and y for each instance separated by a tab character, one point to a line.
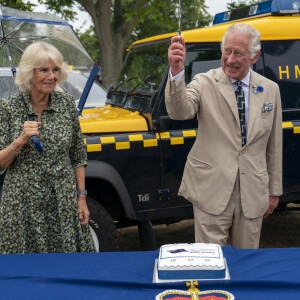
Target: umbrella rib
16	48
15	30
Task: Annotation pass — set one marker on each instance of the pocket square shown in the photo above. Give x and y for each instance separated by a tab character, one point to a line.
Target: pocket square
268	106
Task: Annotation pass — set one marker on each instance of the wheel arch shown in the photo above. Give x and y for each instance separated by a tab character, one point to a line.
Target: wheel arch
104	171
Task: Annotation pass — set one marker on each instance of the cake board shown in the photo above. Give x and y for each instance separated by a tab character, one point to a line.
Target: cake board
157	280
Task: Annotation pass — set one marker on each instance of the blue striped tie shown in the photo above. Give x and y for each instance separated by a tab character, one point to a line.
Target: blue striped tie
240	100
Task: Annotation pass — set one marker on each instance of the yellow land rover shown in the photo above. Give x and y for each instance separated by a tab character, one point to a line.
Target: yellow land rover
137	153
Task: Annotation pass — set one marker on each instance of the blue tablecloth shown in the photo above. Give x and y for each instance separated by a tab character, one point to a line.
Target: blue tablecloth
255	274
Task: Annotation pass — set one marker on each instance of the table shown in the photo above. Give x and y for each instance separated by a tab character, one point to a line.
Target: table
255	274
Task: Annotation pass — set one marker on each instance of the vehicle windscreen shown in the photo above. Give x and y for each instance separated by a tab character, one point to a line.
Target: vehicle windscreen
141	76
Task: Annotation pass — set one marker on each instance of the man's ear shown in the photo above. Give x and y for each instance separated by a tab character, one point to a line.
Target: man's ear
255	58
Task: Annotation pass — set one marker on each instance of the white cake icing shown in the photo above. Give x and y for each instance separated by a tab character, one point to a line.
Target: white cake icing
191	261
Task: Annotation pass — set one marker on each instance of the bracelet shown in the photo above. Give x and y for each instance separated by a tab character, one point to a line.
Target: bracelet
13	146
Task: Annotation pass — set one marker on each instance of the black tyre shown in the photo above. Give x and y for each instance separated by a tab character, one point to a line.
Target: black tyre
102	226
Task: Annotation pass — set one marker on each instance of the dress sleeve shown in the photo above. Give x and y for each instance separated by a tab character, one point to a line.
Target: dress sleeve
5	136
77	151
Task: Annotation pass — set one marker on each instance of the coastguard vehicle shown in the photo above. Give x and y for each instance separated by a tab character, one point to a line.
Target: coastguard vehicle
136	153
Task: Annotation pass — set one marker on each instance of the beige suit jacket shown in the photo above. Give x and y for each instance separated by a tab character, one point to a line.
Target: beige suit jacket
217	155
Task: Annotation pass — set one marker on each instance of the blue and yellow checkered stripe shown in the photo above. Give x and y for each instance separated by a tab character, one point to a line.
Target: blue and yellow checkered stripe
295	126
125	141
122	142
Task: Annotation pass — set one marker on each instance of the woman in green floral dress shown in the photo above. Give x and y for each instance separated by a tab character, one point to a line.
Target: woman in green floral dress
40	210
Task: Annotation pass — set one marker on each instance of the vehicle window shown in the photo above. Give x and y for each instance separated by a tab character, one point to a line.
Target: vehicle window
144	67
141	76
201	60
282	66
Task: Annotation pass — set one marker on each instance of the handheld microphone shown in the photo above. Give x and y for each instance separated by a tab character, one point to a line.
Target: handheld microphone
38	145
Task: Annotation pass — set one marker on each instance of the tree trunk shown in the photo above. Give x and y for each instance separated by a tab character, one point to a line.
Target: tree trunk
112	35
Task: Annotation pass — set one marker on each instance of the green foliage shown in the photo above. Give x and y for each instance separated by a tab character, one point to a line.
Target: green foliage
90	42
240	3
162	16
18	4
61	7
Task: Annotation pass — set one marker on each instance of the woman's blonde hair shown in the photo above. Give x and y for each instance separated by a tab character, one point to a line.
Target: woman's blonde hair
35	56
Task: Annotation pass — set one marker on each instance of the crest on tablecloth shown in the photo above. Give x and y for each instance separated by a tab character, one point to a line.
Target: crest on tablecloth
194	294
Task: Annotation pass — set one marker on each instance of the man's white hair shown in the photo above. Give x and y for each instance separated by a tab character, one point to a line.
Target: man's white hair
248	30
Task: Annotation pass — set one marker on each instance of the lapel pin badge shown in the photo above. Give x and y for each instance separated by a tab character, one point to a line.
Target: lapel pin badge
258	89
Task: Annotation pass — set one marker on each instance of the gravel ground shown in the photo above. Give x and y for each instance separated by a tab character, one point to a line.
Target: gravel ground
280	230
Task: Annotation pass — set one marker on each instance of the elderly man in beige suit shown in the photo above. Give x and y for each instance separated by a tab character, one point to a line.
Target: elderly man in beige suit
233	173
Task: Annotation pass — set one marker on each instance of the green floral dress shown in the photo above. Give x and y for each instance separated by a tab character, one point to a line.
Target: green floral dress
38	210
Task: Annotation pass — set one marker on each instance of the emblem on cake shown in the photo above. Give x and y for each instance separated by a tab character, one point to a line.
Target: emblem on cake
177	250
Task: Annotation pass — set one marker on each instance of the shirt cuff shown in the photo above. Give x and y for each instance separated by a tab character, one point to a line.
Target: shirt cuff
176	77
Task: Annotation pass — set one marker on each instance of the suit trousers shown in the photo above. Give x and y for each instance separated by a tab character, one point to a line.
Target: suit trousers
230	227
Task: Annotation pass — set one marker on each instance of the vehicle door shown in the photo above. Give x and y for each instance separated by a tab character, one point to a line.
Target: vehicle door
177	137
281	64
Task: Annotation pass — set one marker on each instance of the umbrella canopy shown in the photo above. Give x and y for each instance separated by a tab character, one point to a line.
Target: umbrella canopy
21	28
